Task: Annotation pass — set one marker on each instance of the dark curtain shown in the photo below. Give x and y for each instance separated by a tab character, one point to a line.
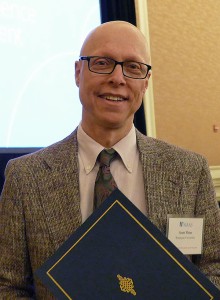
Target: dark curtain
4	158
123	10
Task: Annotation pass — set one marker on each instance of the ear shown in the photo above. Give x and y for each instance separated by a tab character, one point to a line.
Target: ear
77	72
146	82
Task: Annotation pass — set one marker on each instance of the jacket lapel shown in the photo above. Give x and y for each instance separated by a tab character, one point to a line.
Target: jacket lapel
60	191
162	183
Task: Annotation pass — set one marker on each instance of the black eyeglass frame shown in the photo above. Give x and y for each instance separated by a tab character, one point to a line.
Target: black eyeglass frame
116	63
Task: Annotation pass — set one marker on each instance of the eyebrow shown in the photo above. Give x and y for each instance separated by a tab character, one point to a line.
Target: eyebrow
129	58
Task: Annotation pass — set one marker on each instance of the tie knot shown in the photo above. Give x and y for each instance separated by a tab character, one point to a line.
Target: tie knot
106	156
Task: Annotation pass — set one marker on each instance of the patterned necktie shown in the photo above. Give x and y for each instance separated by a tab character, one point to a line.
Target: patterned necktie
105	183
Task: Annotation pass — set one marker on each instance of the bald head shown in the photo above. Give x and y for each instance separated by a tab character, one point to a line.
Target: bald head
122	33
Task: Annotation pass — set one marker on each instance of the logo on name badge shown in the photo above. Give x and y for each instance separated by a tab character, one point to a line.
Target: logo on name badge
186	224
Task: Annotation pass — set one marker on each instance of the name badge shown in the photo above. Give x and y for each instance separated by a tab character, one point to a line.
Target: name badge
186	233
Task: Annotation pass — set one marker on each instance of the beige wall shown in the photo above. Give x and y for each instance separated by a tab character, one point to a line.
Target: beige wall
185	49
183	99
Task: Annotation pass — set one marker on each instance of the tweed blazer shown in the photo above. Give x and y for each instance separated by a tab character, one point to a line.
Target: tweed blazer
40	207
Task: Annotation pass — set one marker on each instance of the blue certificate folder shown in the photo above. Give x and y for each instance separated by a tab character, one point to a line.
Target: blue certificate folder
119	254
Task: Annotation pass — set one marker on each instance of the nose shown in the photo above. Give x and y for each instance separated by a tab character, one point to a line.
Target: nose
117	76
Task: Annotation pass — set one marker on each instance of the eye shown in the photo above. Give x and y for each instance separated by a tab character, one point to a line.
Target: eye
101	61
133	65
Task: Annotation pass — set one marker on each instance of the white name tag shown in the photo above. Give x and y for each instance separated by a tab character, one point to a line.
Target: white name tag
186	233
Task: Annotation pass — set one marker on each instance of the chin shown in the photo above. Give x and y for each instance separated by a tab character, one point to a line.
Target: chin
114	124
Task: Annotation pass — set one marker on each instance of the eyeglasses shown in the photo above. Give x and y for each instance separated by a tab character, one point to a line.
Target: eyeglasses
106	65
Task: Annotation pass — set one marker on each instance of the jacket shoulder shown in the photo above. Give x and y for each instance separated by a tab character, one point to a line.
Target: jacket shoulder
54	154
168	153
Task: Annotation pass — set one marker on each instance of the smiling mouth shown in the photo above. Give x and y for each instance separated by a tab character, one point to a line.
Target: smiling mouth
113	98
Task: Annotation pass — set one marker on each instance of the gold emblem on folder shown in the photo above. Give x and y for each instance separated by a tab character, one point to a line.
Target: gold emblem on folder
126	285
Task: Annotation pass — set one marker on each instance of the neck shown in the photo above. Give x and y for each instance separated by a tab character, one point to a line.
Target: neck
107	137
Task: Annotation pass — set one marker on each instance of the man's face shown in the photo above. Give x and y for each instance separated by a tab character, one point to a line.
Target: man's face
110	100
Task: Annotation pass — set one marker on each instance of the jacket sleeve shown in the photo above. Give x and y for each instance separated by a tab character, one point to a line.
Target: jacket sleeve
206	205
15	270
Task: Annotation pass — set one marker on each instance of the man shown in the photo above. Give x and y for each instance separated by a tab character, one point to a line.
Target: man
48	194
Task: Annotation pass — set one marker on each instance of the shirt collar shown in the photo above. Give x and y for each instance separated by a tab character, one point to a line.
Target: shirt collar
89	149
127	149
